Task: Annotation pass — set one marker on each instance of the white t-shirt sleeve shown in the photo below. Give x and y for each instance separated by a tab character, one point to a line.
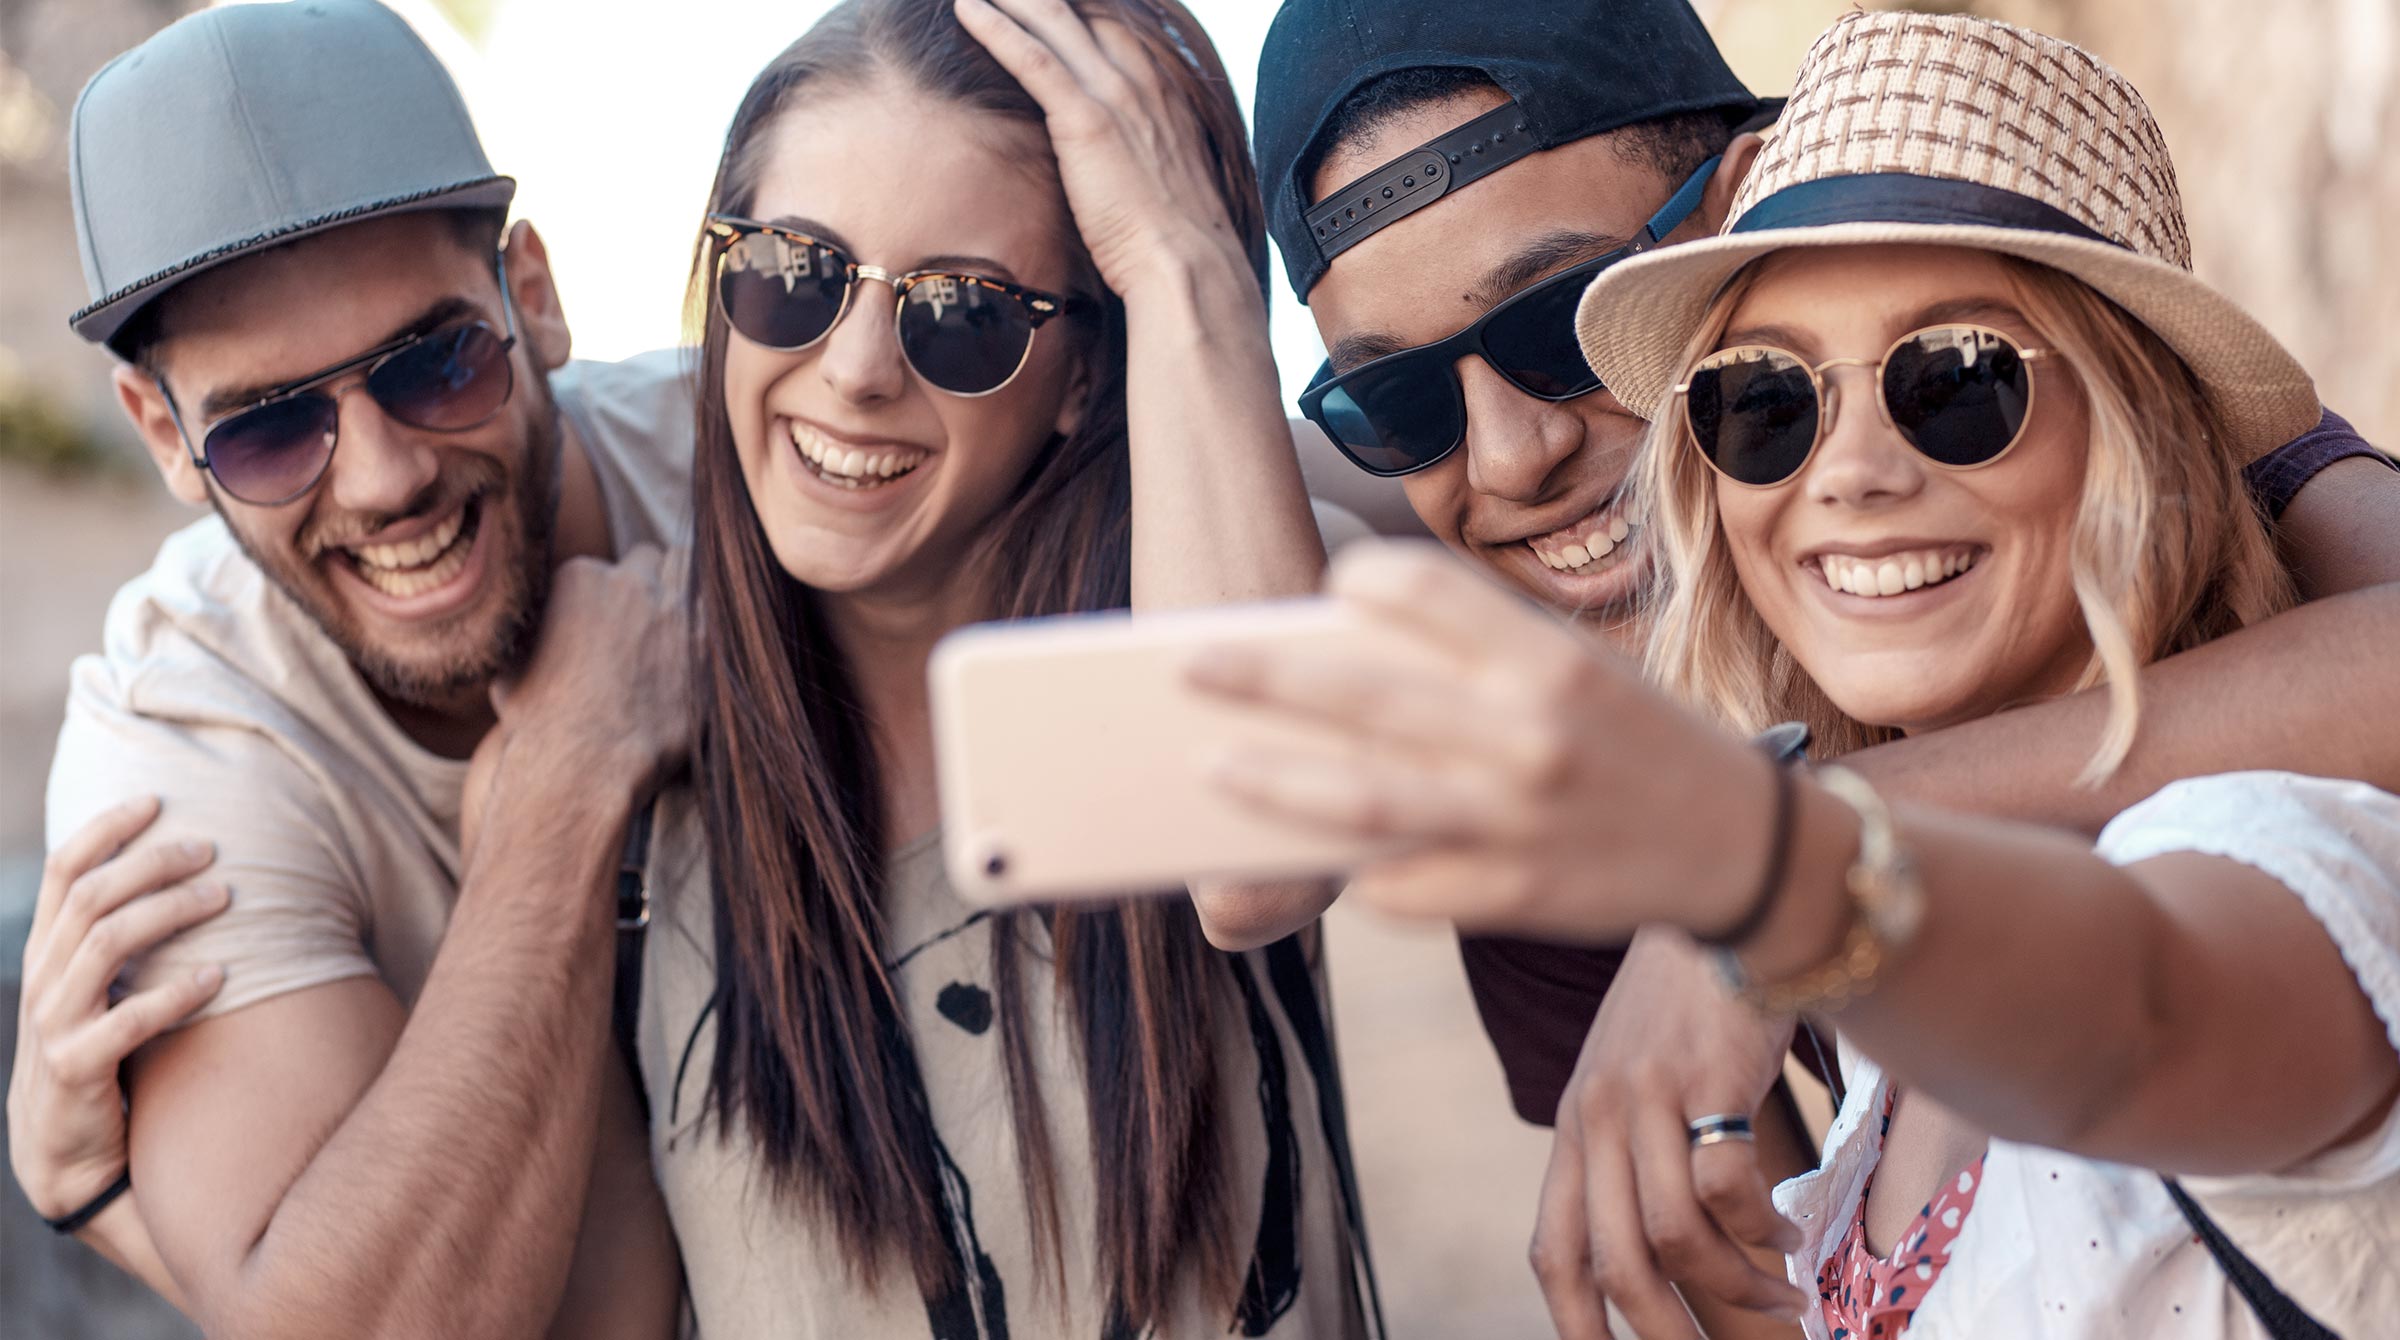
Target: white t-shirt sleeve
297	917
2336	846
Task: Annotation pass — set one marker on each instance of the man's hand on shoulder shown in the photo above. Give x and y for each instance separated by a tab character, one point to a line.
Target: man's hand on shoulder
605	693
1628	1207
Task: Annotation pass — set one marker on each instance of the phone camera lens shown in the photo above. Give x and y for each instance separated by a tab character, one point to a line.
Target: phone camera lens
995	865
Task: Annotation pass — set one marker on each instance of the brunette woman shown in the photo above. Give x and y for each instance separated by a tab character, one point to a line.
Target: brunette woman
982	333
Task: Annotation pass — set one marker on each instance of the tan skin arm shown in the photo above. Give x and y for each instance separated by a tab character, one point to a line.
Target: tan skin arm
324	1163
2052	998
2271	696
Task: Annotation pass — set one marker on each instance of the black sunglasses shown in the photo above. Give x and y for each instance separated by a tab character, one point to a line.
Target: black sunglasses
1404	411
965	334
448	380
1960	394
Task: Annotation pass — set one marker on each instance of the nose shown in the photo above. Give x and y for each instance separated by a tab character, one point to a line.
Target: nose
1515	443
1862	461
860	359
380	467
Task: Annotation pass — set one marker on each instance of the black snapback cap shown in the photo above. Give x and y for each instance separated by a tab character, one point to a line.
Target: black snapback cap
1572	69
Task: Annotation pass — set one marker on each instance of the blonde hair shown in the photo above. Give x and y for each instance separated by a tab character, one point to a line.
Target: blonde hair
2168	551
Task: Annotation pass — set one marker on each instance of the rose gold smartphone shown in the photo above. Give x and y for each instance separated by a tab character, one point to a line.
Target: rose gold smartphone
1073	755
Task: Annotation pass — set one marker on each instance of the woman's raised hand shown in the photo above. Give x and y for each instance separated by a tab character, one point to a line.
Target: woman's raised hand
1139	173
1533	781
101	905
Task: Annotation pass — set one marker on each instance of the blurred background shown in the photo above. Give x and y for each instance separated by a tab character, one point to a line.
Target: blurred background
2284	119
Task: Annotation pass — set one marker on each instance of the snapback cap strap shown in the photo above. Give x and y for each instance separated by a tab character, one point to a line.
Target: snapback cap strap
1419	177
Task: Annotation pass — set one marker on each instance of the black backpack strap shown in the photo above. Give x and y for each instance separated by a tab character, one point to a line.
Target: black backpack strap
2283	1318
633	922
1296	990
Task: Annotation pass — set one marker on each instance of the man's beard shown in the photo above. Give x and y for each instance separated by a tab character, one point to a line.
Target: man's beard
447	683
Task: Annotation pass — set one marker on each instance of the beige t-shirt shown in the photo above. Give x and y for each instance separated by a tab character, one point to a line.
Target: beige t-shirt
336	832
757	1265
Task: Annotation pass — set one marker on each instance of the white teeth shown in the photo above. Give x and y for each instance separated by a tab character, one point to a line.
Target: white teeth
1895	574
404	583
1575	547
412	553
851	467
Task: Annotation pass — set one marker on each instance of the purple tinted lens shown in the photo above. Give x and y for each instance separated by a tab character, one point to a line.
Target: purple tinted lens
271	453
448	381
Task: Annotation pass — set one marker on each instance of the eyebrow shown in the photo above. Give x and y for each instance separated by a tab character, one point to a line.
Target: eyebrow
946	261
440	313
1536	260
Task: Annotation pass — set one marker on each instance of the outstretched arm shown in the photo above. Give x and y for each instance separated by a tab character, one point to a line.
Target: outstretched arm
2053	998
2048	995
2281	695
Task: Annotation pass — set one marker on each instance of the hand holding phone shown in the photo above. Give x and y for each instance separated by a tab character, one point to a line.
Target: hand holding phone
1074	755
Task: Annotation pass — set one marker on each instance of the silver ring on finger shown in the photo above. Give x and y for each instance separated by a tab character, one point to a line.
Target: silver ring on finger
1718	1128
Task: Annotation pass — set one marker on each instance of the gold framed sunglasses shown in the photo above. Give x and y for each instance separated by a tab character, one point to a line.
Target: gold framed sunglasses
965	334
1959	393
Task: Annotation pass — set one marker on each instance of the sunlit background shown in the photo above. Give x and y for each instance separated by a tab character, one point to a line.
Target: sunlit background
2283	117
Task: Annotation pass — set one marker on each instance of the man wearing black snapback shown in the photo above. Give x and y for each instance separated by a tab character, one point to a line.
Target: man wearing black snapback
1574	134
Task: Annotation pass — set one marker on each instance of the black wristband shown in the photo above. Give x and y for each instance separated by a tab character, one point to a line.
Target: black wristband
1785	750
70	1224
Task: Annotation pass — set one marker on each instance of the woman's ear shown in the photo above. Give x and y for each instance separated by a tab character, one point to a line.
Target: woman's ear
1079	390
540	317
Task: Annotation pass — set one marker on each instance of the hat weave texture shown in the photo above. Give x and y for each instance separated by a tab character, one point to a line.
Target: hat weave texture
1983	102
2055	157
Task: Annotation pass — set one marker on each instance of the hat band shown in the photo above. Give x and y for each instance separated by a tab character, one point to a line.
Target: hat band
1905	197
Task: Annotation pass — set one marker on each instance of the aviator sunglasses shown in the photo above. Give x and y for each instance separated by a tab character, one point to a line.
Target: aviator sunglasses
1959	394
1405	411
965	334
447	380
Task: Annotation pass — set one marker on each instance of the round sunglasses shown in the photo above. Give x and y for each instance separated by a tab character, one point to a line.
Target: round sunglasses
1960	394
447	380
965	334
1405	411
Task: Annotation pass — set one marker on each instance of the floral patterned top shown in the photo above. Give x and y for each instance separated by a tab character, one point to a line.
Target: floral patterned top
1862	1296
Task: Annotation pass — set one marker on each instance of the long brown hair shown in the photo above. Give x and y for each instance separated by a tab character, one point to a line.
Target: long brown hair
813	1053
2168	550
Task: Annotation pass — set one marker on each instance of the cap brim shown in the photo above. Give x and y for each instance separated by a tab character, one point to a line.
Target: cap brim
1636	318
103	319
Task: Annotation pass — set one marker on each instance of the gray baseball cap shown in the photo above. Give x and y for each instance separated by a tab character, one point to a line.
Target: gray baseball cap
246	126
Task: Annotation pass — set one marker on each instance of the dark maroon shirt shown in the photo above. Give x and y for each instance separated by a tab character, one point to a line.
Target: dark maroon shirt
1537	1001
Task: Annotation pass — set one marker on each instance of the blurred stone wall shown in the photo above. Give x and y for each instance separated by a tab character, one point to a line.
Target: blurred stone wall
2284	119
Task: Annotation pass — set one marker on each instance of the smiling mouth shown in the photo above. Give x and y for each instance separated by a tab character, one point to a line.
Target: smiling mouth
852	467
1894	574
413	567
1595	542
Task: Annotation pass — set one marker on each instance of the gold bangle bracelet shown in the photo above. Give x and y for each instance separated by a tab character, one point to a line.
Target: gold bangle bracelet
1886	904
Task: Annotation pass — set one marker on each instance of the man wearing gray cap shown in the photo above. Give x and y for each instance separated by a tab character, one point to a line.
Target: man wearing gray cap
395	1096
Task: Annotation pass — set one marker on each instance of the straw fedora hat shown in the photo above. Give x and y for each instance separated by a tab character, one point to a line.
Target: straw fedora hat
1948	130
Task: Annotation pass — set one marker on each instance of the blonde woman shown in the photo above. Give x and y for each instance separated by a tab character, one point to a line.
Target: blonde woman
1948	428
